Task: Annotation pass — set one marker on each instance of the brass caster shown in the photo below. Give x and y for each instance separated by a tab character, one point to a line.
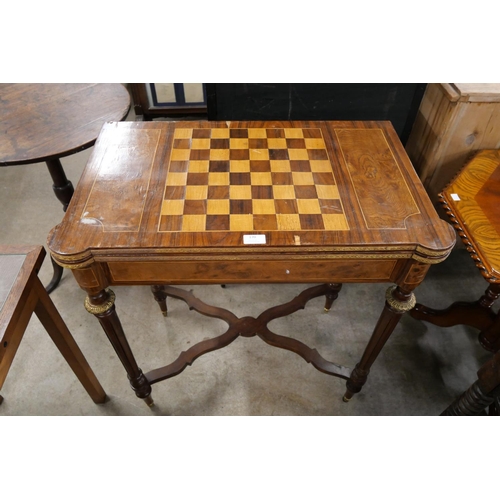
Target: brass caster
149	401
345	399
325	310
165	313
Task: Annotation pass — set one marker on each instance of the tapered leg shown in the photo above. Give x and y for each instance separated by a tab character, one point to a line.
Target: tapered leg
334	289
160	297
58	331
397	303
102	306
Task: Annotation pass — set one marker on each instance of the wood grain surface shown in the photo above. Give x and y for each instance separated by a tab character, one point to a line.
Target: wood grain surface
121	197
472	200
40	122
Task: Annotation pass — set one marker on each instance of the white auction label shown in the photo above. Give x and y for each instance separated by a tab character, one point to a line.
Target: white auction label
455	197
254	239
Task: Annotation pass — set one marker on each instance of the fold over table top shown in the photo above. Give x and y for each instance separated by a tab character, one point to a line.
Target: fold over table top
184	188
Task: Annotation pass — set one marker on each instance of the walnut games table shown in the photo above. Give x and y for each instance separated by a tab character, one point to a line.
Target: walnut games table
169	203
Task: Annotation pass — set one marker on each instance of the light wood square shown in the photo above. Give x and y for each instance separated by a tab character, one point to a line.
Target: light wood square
294	133
302	178
183	133
257	133
200	144
280	166
261	178
335	222
260	207
276	143
196	192
176	179
172	207
193	222
198	166
308	206
241	222
238	143
220	133
298	154
240	192
315	143
327	192
288	222
217	207
320	166
219	154
259	154
180	154
218	178
239	166
283	192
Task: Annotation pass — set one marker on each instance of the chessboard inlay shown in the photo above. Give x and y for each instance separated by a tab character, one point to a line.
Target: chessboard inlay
252	179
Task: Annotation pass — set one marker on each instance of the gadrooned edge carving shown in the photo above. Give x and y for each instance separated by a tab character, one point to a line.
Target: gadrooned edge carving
397	304
468	244
101	308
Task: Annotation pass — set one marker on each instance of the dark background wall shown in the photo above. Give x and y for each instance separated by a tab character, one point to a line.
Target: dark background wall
397	102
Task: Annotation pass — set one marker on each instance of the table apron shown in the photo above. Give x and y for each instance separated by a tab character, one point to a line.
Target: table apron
249	271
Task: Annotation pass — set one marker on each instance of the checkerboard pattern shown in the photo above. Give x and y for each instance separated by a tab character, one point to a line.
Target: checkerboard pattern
253	179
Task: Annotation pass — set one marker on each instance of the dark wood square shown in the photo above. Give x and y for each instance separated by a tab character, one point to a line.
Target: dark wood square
317	154
311	221
330	206
218	192
182	143
219	143
278	154
236	133
262	192
218	166
240	178
175	192
170	222
260	165
300	166
195	207
257	143
323	178
265	222
286	206
240	207
201	133
306	192
239	154
197	179
312	133
199	154
295	144
217	223
282	178
275	133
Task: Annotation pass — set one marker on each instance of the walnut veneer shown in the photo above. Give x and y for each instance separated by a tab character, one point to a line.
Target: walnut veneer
168	203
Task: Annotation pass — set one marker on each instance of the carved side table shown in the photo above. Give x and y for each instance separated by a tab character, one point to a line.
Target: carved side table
471	201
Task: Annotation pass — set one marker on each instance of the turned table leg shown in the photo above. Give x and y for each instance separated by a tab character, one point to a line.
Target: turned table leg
398	301
160	297
102	306
63	188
